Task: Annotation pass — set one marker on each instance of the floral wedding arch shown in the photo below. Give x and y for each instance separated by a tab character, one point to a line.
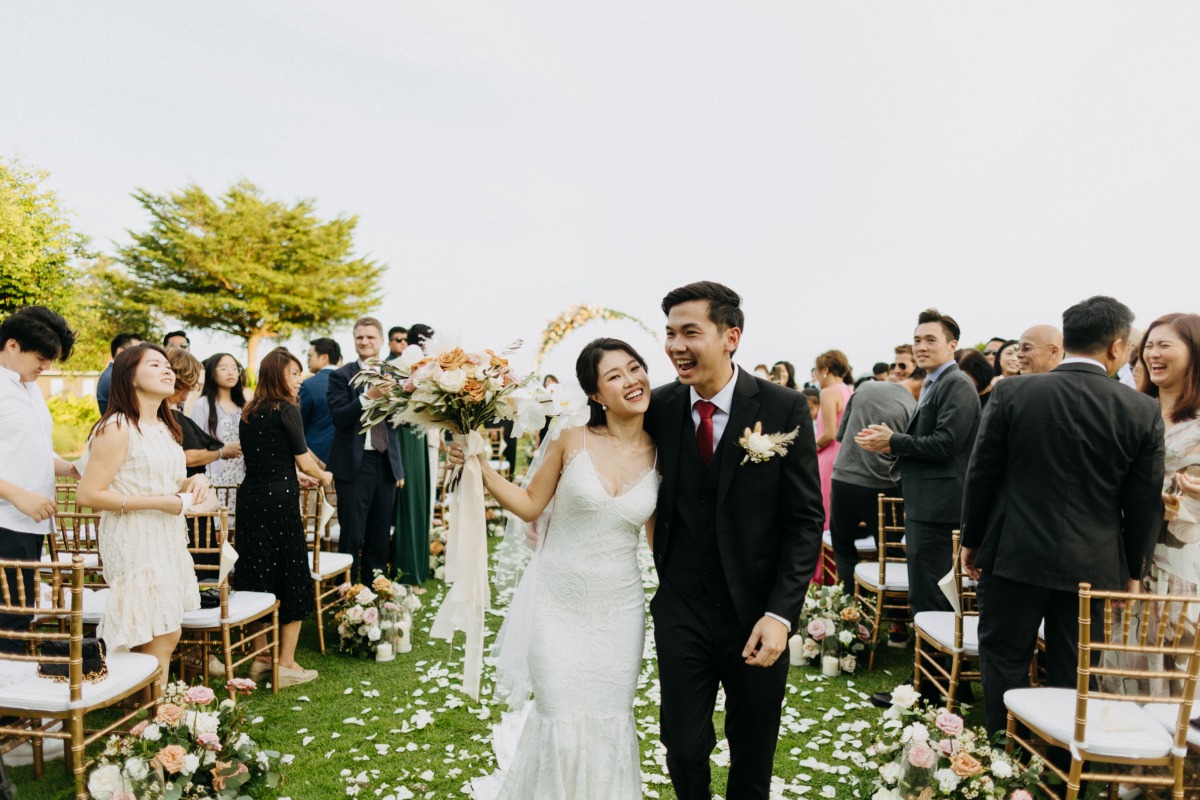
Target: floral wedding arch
576	317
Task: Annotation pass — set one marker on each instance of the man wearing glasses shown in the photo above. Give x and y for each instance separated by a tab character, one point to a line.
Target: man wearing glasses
903	365
1040	349
992	348
397	341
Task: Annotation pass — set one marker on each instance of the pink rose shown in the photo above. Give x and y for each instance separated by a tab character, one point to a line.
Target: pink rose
199	695
816	629
136	730
922	756
371	616
209	741
241	685
946	747
1021	794
949	724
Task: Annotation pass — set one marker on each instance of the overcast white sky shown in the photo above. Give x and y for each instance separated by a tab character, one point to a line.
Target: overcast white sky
841	165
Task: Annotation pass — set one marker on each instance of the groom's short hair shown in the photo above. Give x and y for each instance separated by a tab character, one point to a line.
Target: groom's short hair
724	304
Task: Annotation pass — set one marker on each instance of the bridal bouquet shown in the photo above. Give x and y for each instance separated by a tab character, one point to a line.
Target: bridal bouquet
831	630
924	753
369	613
191	747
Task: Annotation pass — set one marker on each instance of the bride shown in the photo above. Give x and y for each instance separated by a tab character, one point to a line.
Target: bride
579	648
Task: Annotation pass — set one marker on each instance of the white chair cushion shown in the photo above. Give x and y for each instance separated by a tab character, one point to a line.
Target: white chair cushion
1167	714
242	606
895	578
89	559
331	564
863	545
30	693
94	602
1120	729
939	626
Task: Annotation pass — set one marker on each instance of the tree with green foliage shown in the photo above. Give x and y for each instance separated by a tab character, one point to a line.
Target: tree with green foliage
248	266
37	242
103	303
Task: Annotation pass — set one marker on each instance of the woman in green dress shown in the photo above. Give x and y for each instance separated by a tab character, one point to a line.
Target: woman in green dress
412	499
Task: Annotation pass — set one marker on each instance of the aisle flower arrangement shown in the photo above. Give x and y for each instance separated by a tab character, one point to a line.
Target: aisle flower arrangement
830	627
926	753
367	612
437	550
192	746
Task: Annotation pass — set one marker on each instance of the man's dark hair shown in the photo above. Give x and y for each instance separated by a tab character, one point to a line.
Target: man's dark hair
724	304
328	347
880	366
1092	325
947	322
122	340
397	329
999	339
38	329
972	362
917	374
173	334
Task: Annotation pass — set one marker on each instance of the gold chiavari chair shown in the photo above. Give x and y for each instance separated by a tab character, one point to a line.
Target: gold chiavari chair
39	703
881	586
948	634
864	544
64	494
1099	726
329	570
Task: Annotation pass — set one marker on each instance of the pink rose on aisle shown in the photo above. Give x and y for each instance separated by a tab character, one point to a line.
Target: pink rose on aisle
371	616
209	741
949	724
200	695
1021	794
922	756
816	629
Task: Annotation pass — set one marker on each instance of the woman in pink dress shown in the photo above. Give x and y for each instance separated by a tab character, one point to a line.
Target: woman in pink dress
831	370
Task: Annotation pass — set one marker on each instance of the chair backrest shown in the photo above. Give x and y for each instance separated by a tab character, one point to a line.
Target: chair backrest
208	532
77	533
315	535
49	606
1135	626
965	590
890	533
64	494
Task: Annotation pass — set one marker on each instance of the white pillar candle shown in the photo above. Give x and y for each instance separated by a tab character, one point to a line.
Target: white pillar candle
830	666
796	651
383	652
404	642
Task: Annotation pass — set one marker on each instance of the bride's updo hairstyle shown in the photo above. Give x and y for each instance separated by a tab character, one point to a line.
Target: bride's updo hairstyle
587	372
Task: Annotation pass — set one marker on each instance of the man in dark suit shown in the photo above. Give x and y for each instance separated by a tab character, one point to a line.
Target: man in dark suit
366	467
1064	487
933	454
324	356
735	543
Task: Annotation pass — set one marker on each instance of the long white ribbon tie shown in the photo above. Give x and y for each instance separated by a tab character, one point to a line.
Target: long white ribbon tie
466	565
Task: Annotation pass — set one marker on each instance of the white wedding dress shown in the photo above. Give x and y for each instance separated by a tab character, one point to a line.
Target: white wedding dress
584	646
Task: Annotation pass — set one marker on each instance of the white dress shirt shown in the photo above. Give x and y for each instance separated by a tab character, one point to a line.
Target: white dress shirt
26	448
1083	360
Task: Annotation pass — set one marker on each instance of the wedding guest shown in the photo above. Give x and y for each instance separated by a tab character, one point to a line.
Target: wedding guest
397	341
1007	363
218	411
1031	548
324	356
859	475
880	371
1125	373
992	348
784	374
981	373
932	452
419	334
177	339
549	381
903	363
763	371
272	551
1040	350
200	448
32	339
831	367
813	395
136	477
366	467
413	513
115	348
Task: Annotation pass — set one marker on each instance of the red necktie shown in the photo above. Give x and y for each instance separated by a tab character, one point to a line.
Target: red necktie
704	432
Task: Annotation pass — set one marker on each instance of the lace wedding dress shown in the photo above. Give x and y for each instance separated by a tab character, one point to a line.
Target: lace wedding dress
584	648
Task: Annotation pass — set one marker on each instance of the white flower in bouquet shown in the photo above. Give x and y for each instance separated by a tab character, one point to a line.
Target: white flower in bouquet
889	773
849	663
570	407
452	380
191	763
412	602
152	733
810	648
243	741
202	721
411	355
136	768
106	781
227	704
916	732
905	696
1001	768
433	562
887	794
947	780
354	613
365	597
846	637
373	633
440	573
210	757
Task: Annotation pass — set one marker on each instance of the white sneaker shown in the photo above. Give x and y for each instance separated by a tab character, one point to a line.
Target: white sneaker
292	677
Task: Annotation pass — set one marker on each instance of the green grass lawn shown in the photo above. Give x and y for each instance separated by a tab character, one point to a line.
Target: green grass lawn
401	729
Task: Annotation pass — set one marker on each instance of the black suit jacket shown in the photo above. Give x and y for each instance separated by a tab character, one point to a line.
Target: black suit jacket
768	516
346	451
936	448
1066	480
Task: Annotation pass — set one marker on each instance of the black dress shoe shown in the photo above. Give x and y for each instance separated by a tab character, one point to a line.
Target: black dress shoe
882	699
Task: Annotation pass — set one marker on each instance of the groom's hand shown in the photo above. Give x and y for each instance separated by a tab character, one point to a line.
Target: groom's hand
767	642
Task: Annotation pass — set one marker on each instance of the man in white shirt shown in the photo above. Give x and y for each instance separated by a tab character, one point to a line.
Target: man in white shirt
31	340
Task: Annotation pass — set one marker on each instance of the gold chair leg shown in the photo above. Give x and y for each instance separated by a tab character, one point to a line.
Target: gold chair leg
275	652
320	616
952	695
878	617
78	756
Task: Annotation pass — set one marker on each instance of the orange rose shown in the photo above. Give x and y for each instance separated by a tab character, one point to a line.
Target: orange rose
218	780
436	547
452	359
965	765
851	614
382	585
169	714
171	758
474	390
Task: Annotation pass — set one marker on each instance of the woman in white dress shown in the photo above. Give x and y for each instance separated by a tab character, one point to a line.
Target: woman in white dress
218	412
581	648
135	476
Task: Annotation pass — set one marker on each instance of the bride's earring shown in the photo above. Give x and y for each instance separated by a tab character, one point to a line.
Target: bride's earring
603	407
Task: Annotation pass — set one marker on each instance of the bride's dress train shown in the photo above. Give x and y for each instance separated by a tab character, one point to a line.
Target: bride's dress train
578	739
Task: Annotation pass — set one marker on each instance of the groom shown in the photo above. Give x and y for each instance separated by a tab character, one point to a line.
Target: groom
735	543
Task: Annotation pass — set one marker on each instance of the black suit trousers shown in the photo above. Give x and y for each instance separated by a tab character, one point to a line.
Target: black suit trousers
699	642
17	546
365	507
930	557
851	506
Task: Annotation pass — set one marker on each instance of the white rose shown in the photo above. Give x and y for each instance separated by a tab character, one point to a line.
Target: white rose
152	733
227	704
846	637
915	732
136	768
210	758
452	380
102	783
886	794
203	722
758	444
849	663
242	741
428	372
440	573
365	597
1001	768
905	696
809	649
191	763
412	602
373	633
354	613
947	780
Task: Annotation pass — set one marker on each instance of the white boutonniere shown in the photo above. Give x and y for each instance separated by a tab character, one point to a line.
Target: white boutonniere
761	447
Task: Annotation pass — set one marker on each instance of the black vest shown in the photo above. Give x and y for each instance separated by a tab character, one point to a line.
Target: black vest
694	560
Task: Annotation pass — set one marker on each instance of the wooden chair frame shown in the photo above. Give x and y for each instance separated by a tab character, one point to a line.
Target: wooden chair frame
929	664
69	616
325	586
203	640
877	600
1137	643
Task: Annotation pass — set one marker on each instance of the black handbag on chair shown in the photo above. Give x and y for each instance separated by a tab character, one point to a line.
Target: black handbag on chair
95	661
